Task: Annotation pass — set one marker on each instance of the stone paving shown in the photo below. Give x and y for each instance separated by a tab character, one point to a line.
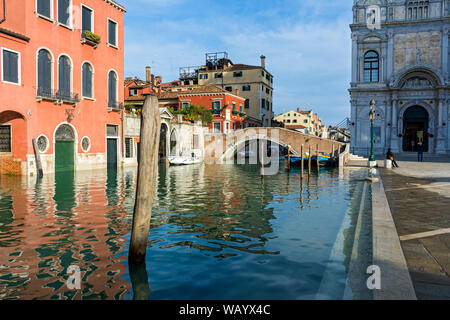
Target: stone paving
419	199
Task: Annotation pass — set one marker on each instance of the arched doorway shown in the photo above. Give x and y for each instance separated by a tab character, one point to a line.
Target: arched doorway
64	148
415	128
163	141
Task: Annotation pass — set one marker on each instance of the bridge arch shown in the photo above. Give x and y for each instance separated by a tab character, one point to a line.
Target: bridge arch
232	150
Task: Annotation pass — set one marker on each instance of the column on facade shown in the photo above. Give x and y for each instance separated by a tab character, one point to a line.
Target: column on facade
390	56
354	122
394	125
445	49
440	143
354	58
388	119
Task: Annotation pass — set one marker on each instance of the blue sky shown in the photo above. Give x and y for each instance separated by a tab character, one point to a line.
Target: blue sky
306	43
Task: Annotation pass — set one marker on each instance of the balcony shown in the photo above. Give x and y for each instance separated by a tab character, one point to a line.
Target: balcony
115	106
58	97
216	112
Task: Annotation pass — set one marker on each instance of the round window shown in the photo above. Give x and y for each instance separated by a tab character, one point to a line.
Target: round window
42	143
85	144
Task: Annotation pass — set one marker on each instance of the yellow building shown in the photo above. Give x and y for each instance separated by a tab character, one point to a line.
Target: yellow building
304	121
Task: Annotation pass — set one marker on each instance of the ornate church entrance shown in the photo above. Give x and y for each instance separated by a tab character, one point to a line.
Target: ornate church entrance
415	128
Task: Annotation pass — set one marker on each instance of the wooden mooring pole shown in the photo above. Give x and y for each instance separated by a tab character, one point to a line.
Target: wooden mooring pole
309	161
289	159
40	172
146	179
317	157
302	163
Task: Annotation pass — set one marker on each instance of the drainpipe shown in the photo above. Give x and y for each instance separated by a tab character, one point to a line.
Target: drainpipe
4	12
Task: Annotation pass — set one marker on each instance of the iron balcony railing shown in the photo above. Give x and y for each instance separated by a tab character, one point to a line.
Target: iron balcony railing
57	96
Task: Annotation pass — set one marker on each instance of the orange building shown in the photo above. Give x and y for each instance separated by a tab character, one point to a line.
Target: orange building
62	63
227	107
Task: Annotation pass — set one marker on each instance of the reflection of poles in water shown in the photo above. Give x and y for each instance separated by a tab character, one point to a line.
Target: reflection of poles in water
139	281
309	187
317	184
301	190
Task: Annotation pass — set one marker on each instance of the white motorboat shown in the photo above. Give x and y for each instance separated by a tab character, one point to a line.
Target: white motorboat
179	161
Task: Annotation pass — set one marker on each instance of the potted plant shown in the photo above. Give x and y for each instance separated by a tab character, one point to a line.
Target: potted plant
91	38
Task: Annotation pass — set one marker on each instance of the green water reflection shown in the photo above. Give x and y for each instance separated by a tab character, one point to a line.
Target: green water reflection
218	232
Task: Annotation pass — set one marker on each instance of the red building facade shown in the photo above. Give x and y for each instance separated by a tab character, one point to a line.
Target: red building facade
62	65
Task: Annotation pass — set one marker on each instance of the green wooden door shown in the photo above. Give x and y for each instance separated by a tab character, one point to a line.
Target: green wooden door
111	153
64	156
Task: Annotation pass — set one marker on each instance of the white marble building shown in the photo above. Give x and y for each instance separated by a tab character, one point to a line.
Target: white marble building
400	58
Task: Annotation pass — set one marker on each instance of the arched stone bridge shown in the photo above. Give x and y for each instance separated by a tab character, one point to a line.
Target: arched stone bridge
220	147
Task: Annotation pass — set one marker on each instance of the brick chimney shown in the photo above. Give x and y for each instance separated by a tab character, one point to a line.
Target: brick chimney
263	61
148	74
298	110
237	92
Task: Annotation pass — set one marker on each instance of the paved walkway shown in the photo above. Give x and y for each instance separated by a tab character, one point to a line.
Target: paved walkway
419	198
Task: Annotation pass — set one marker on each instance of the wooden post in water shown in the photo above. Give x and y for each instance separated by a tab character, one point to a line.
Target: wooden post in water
40	172
317	155
302	163
289	158
146	178
309	161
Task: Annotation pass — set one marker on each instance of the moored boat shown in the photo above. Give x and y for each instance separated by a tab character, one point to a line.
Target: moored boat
180	161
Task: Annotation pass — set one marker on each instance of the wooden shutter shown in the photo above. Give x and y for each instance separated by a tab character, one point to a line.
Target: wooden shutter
86	19
112	87
10	66
64	76
44	7
112	33
63	12
87	80
44	71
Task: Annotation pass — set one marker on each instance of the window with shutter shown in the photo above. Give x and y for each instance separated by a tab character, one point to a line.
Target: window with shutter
64	12
112	87
44	73
112	33
64	77
87	80
86	19
44	8
10	65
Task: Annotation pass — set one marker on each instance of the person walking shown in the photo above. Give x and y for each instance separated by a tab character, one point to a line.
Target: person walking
420	151
390	156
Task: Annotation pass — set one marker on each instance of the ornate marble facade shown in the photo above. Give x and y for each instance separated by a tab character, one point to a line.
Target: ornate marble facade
400	58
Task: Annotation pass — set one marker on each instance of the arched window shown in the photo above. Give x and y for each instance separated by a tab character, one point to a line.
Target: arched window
112	89
371	67
64	75
44	86
87	72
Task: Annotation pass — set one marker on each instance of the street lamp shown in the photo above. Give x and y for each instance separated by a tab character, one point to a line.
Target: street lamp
372	161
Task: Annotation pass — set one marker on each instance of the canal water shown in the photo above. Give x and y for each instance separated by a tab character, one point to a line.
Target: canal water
217	232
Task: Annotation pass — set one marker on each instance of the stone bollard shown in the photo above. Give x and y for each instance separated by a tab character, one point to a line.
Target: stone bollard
388	164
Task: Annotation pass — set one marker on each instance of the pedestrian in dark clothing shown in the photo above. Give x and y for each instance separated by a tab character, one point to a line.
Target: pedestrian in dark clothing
390	156
420	151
